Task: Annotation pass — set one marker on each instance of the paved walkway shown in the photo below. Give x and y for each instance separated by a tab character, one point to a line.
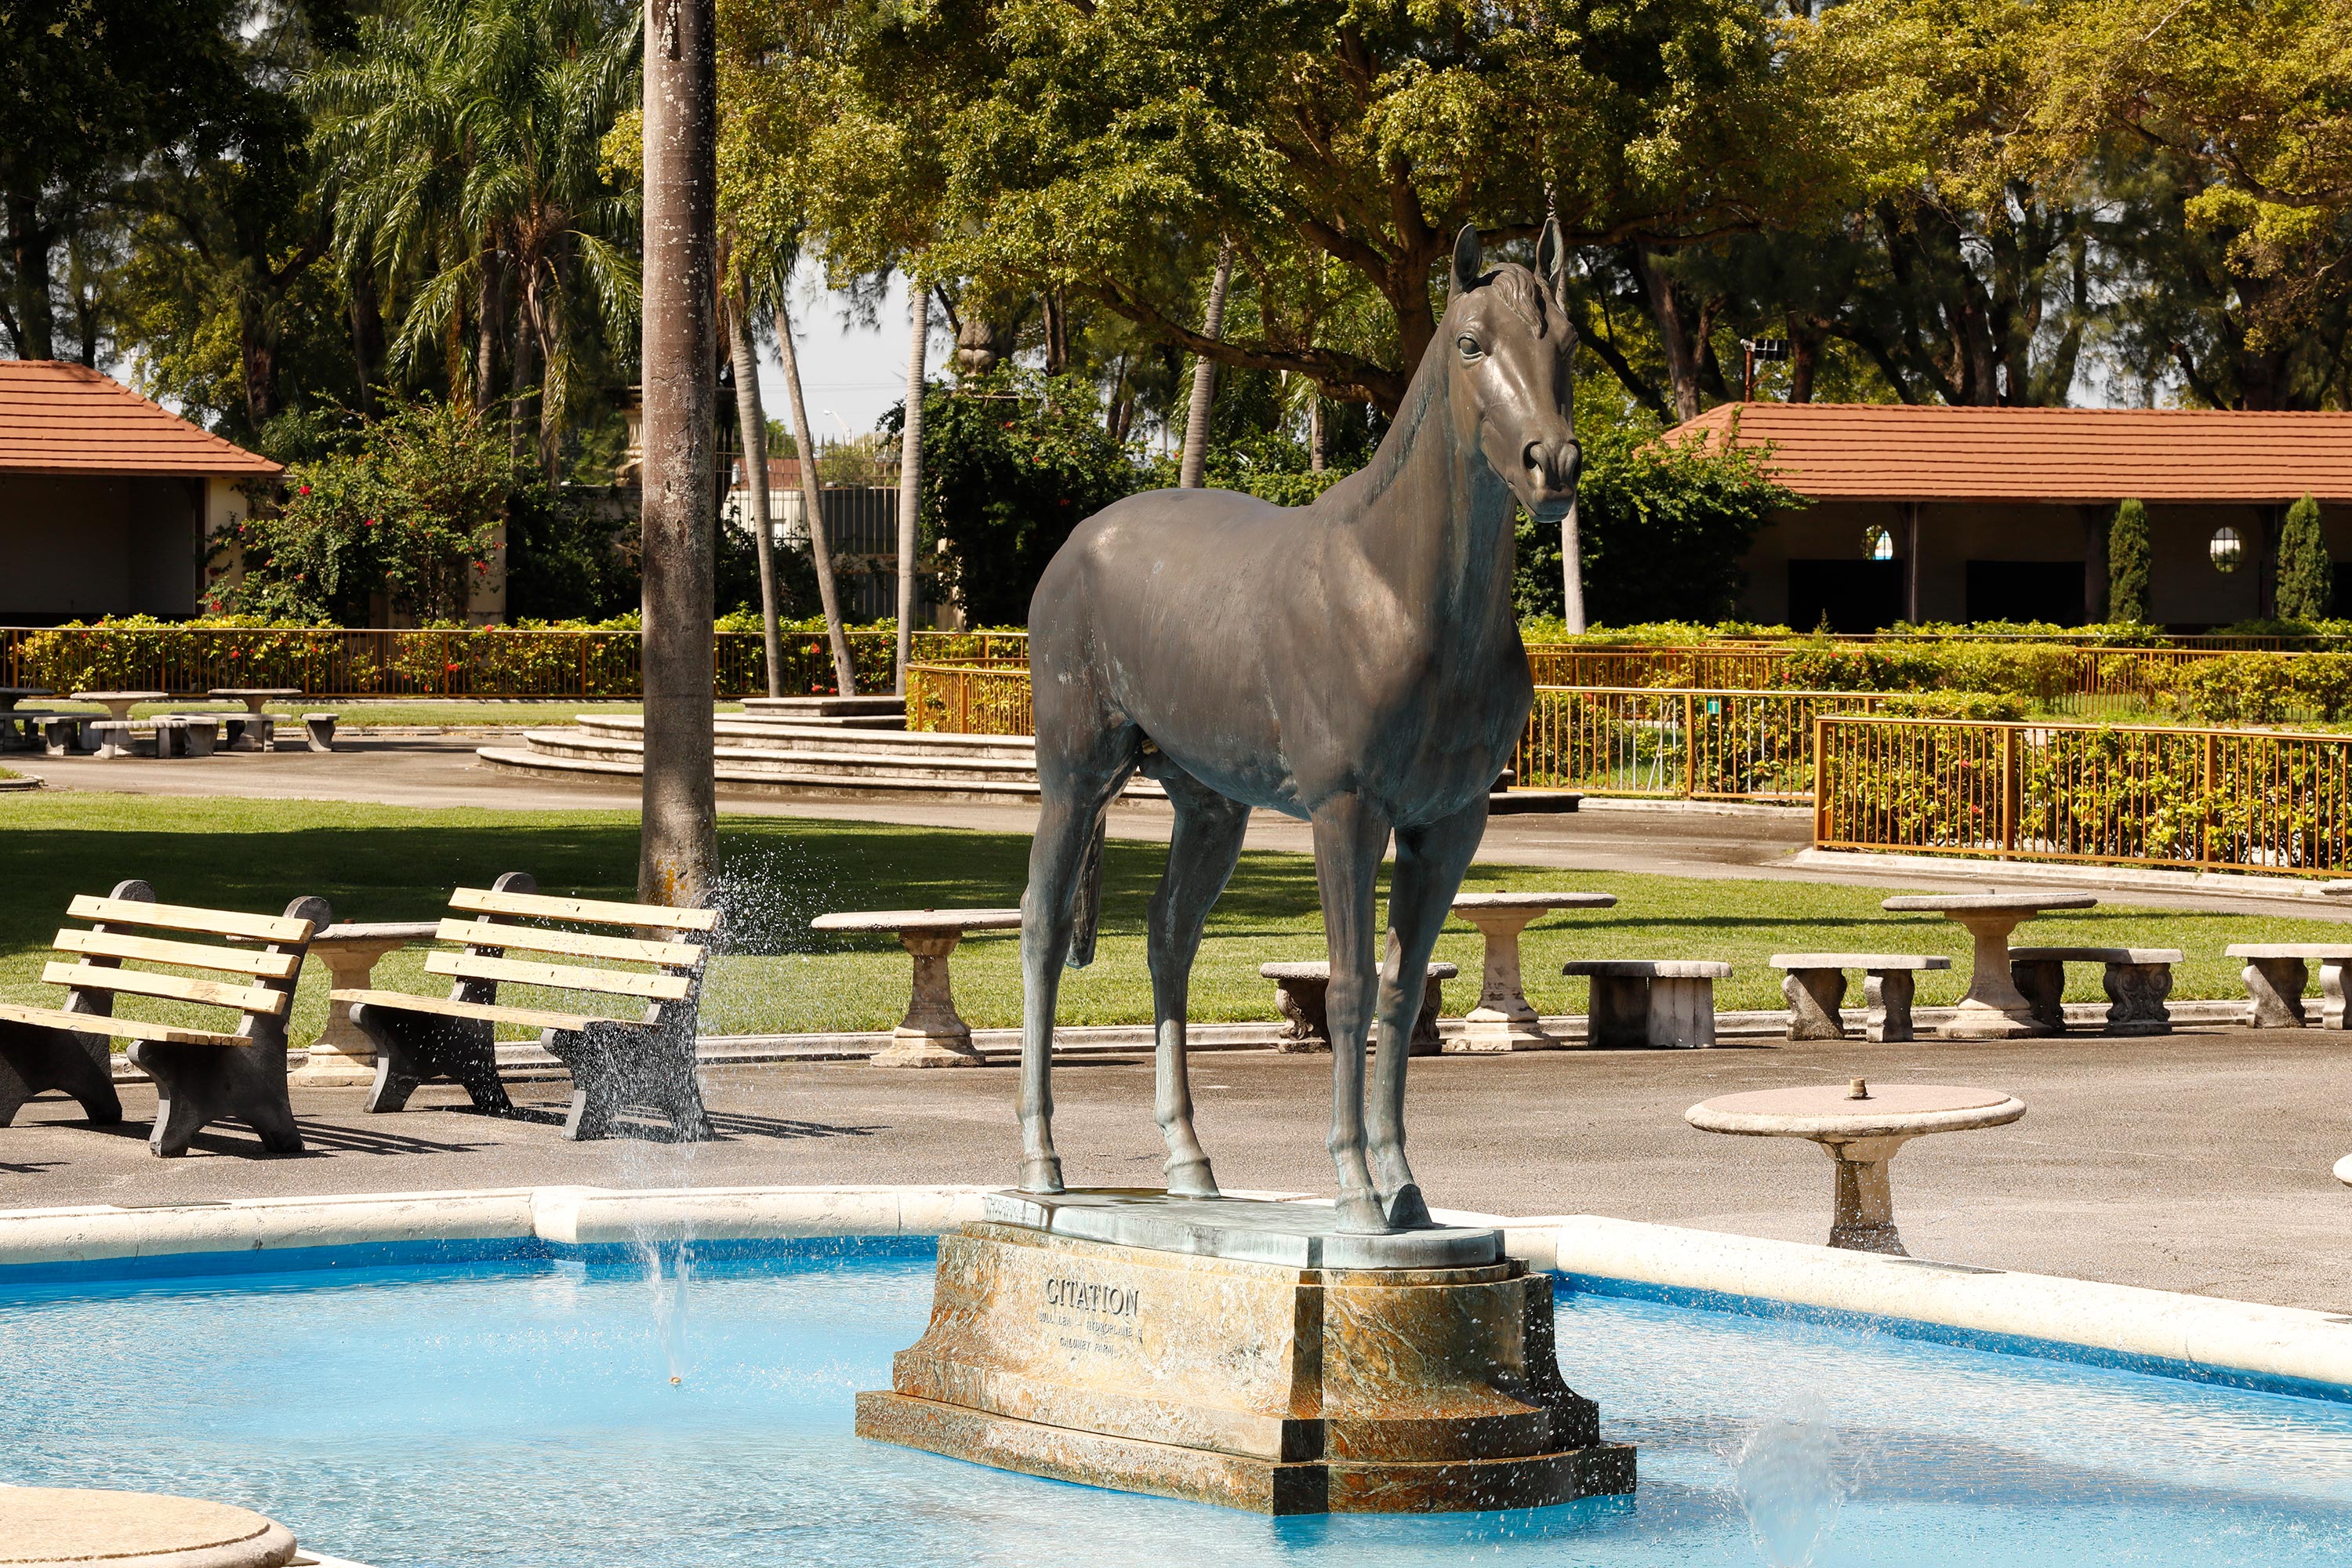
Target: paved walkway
1664	838
2196	1162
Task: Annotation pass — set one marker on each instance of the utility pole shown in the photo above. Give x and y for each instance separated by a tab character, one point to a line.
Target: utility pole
677	836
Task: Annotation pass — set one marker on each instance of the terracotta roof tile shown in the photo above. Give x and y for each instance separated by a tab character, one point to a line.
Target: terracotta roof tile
1893	452
60	419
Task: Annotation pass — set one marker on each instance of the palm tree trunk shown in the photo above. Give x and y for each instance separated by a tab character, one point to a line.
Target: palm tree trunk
1318	454
487	311
1572	571
845	673
676	842
910	471
1204	377
753	418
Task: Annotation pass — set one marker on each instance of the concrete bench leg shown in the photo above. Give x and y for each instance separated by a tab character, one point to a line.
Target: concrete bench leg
2331	993
2136	996
1618	1013
1887	994
416	1048
196	1086
1815	997
1306	1019
34	1060
2275	993
2042	983
319	731
1681	1012
1426	1041
615	1071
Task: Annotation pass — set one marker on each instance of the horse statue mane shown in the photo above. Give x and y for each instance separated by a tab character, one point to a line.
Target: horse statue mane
1354	663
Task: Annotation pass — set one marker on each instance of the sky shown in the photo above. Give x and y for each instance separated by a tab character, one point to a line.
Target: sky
850	374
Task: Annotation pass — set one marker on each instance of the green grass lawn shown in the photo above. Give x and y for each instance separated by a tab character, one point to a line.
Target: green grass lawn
501	712
381	863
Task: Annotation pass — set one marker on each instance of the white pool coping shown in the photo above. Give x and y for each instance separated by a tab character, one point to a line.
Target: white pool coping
2200	1336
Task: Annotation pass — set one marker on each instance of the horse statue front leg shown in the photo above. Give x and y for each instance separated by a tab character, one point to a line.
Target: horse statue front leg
1202	854
1349	838
1429	862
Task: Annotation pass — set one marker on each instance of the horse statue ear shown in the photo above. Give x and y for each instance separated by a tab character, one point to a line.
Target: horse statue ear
1465	258
1551	263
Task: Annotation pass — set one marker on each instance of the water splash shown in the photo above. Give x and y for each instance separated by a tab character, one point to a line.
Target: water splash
669	1272
1787	1475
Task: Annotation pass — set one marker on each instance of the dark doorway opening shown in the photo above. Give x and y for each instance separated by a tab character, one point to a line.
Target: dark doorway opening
1852	596
2048	591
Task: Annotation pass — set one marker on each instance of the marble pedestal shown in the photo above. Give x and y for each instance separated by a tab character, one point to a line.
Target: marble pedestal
1246	1355
343	1057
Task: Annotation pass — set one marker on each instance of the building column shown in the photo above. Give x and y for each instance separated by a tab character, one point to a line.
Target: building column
1911	510
2095	565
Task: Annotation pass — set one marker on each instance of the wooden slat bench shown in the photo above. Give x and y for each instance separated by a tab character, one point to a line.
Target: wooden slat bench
201	1075
622	1058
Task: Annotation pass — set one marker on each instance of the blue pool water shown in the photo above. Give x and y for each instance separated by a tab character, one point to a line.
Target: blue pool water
522	1414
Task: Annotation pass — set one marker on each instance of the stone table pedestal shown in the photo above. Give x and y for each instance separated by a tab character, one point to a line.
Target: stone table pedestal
1860	1126
1503	1020
932	1034
1994	1008
343	1057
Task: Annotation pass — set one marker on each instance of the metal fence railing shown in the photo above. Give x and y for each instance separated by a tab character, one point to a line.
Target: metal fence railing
490	661
1722	744
976	699
2115	794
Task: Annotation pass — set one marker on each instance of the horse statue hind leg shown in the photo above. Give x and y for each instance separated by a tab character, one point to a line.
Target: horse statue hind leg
1202	853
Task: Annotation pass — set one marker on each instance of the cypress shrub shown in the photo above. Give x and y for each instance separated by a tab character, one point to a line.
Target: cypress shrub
2306	577
2127	565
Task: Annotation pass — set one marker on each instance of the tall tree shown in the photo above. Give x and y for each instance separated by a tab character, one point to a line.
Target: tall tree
677	846
752	420
467	137
1204	374
910	470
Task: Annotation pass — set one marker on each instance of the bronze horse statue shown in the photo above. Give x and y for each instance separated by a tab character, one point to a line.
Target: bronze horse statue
1354	663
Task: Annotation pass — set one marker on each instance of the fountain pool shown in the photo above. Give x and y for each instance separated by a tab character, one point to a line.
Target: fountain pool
520	1412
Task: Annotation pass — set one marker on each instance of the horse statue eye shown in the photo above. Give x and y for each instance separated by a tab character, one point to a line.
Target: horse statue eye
1469	346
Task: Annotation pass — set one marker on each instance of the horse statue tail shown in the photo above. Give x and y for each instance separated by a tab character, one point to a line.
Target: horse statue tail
1086	899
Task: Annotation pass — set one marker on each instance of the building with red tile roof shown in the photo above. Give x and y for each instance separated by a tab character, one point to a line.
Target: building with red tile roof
106	501
1950	514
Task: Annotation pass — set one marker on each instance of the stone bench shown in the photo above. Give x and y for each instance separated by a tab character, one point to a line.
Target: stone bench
1301	994
1815	987
186	735
2274	976
633	1055
1650	1001
61	734
932	1034
2137	980
108	738
317	732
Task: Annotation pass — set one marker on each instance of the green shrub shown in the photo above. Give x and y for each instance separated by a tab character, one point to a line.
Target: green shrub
2127	564
2306	577
2262	688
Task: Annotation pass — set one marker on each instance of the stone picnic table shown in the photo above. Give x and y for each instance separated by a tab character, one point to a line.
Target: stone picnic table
342	1055
1860	1128
1994	1008
1503	1020
256	697
932	1034
12	695
20	731
119	704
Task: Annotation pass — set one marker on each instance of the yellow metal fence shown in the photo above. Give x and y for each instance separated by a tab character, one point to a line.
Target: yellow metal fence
2111	795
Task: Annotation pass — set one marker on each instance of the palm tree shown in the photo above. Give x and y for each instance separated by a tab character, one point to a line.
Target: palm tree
467	137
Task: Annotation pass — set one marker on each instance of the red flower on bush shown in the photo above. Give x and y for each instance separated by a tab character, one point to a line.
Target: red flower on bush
452	667
306	489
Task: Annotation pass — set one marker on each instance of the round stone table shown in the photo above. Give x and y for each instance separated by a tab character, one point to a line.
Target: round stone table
1860	1126
45	1527
2343	1169
343	1057
119	704
1503	1020
1994	1008
932	1034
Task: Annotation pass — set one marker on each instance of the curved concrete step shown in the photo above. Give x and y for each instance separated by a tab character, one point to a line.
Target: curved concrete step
794	784
778	737
839	761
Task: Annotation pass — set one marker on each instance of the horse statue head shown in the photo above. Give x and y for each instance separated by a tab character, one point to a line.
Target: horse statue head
1511	348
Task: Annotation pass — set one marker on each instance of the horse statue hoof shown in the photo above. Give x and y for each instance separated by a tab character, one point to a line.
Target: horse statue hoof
1360	1215
1192	1179
1407	1211
1042	1175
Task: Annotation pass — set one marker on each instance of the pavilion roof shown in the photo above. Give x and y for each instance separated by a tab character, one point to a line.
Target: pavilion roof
61	418
1851	451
